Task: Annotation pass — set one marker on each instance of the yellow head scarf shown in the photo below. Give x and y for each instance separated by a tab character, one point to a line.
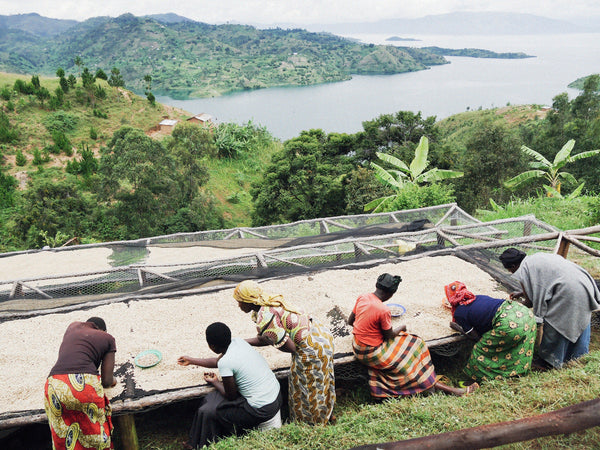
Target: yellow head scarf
249	291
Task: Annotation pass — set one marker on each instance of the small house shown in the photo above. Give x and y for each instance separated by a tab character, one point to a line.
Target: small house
202	119
167	125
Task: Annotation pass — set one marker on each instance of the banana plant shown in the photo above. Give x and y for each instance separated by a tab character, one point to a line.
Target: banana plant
551	171
402	174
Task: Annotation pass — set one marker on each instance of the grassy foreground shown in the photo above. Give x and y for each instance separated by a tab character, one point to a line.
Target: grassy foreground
360	420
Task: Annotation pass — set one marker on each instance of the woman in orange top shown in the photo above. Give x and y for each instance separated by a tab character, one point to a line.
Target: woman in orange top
398	362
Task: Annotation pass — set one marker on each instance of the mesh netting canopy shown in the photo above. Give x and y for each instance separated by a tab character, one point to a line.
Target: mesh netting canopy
56	278
180	272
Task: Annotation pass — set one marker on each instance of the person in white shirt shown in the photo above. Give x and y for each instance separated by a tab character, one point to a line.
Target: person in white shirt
248	394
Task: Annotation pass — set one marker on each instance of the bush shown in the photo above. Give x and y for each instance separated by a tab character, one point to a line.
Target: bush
20	159
7	133
60	121
5	93
62	143
37	157
233	140
413	196
93	133
100	114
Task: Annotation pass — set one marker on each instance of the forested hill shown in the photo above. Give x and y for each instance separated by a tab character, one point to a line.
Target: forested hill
187	58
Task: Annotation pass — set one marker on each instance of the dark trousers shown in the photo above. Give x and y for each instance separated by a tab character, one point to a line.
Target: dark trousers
217	417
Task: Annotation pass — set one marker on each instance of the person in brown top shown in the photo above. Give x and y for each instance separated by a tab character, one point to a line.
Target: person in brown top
78	410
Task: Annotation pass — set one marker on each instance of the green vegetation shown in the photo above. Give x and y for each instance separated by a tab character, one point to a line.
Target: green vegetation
476	53
579	82
103	153
85	167
403	175
193	59
551	171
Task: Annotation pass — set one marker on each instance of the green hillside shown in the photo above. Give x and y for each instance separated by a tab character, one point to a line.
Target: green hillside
196	59
88	161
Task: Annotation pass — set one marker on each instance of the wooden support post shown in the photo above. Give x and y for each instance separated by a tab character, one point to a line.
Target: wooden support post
127	432
562	246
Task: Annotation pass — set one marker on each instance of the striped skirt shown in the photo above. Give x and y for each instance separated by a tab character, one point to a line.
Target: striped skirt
507	349
78	412
311	382
401	366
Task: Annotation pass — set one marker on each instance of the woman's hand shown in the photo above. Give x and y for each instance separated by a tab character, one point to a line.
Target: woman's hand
516	294
400	329
183	360
457	327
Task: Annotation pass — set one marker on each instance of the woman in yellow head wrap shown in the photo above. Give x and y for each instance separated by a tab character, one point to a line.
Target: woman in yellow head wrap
311	381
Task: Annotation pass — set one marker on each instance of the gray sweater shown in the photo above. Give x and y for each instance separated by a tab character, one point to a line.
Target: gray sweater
563	293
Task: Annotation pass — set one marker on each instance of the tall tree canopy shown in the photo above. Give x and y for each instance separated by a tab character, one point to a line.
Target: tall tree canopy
304	180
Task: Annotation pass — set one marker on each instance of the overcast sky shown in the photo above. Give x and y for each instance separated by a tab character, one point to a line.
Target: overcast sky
296	11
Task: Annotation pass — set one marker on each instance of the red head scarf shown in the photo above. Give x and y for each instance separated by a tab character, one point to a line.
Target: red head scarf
457	294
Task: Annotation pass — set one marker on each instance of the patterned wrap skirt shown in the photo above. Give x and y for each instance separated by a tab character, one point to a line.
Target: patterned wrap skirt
507	349
399	366
312	383
78	412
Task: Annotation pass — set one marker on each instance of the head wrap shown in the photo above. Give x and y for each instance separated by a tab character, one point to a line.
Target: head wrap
458	294
388	283
512	257
250	291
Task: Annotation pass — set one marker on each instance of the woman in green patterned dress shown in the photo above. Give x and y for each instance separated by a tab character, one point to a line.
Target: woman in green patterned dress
311	382
504	331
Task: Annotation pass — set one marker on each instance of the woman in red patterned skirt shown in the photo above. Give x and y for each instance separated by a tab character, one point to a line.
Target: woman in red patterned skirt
398	362
78	411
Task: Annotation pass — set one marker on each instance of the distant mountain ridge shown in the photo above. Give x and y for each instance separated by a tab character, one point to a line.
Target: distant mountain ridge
452	23
462	23
35	24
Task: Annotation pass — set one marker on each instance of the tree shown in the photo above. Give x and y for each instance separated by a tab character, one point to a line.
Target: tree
550	171
116	79
138	181
72	81
491	155
52	206
42	94
402	174
303	181
394	134
101	75
35	81
191	144
78	62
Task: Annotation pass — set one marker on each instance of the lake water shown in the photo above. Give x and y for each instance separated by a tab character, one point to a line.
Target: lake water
465	83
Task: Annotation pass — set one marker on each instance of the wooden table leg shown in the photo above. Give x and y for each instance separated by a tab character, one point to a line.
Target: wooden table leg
127	432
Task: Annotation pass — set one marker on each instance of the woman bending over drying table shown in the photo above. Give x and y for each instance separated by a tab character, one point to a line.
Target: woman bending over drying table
78	411
398	362
311	382
504	331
